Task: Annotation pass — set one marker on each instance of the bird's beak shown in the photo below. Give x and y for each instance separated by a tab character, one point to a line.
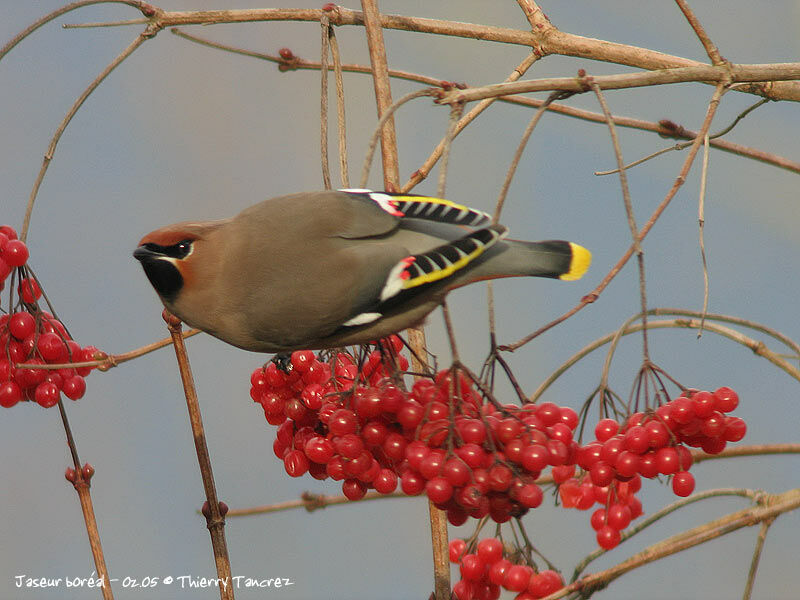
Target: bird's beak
142	254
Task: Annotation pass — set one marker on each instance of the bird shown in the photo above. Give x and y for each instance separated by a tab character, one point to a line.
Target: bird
334	268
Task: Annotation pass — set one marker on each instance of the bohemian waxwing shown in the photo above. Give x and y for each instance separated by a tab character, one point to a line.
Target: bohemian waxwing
334	268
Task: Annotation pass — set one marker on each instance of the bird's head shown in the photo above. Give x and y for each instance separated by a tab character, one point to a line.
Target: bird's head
173	256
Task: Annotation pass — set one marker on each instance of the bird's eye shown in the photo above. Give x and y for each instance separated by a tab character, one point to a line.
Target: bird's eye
183	249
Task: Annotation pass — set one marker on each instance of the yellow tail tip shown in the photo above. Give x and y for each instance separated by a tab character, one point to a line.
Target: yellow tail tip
581	259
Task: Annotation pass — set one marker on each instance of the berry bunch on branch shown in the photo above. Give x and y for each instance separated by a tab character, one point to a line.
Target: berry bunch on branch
32	338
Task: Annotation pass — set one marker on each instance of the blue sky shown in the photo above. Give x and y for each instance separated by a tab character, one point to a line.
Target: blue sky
182	132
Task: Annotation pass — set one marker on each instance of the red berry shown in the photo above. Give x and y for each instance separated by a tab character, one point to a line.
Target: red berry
312	396
385	482
637	440
562	473
15	253
657	434
619	516
295	463
569	417
343	421
704	404
545	583
412	483
21	325
10	394
500	477
51	347
354	489
602	474
683	483
457	548
439	490
410	414
530	495
714	425
517	578
606	429
608	537
713	445
302	360
457	472
549	413
490	550
735	428
726	399
472	567
8	231
319	449
647	465
462	590
47	394
682	410
627	464
667	460
535	457
74	387
349	445
498	570
598	519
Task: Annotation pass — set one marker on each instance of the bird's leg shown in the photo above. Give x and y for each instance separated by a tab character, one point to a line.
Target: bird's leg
283	360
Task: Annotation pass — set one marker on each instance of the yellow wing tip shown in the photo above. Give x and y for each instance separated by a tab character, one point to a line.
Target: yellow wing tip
579	264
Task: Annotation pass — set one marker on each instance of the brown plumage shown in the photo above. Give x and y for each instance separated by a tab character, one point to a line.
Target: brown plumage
327	269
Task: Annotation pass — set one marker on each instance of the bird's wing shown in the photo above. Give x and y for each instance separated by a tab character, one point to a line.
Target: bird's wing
402	206
416	274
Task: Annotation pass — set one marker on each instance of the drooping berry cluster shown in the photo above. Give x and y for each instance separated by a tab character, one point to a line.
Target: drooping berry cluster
648	445
470	457
32	336
485	572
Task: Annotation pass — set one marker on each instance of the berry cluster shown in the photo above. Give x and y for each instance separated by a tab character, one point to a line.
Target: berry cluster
648	445
487	571
471	459
34	337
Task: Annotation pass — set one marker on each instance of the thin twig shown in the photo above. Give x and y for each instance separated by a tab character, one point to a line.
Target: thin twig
310	502
711	49
512	168
214	510
726	74
699	456
340	113
679	180
80	477
323	102
147	9
150	31
684	145
773	505
422	172
661	129
546	41
626	197
657	516
757	347
751	575
456	111
379	128
701	221
107	361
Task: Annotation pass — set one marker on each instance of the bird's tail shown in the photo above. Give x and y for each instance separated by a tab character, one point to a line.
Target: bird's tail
512	258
